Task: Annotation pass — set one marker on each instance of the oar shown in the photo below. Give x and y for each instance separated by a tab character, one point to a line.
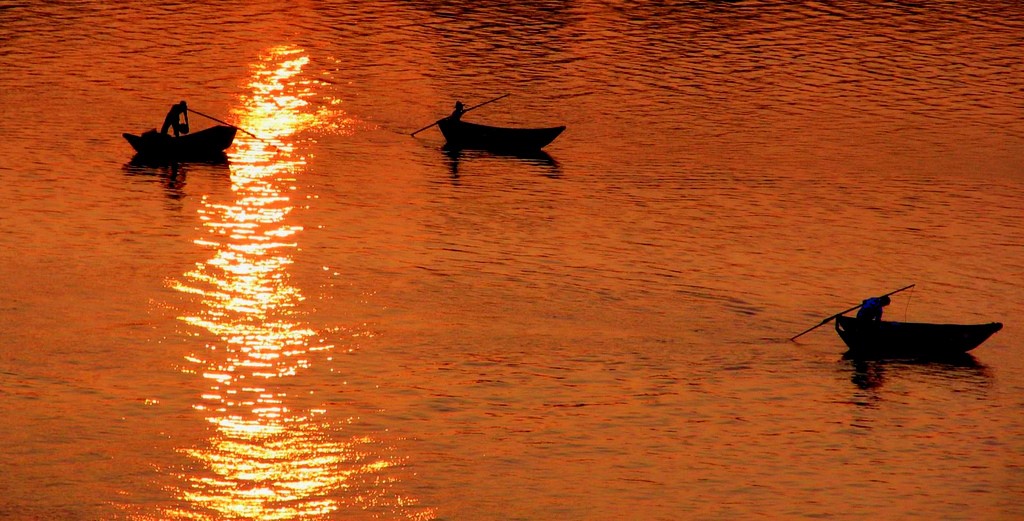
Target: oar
829	319
464	111
230	125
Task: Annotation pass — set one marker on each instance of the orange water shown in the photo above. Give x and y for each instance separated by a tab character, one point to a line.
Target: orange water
346	322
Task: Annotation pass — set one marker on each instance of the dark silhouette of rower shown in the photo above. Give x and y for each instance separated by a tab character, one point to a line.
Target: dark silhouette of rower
871	309
458	112
177	118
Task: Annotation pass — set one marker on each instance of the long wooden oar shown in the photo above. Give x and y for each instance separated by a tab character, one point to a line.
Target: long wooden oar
829	319
230	125
464	111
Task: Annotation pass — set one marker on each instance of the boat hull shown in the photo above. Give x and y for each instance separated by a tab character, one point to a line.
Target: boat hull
880	339
206	144
460	134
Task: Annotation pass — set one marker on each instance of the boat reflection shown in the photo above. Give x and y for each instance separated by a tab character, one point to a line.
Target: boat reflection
273	451
139	160
171	175
538	158
872	374
867	375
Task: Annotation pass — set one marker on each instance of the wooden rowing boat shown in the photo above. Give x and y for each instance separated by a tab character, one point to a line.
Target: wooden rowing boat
205	144
882	339
461	134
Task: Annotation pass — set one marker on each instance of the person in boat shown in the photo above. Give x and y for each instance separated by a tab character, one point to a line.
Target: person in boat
177	119
871	309
458	112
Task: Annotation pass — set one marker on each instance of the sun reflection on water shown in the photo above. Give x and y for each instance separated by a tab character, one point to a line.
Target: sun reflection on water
269	457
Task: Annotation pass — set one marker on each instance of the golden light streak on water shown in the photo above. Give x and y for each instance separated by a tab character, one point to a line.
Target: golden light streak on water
266	458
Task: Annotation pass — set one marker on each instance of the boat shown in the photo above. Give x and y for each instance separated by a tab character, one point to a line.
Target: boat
877	339
461	134
205	144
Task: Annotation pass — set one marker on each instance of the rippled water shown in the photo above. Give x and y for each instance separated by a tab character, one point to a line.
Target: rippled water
346	322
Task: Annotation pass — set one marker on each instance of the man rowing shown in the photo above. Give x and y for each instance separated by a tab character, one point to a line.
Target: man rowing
458	112
177	119
871	309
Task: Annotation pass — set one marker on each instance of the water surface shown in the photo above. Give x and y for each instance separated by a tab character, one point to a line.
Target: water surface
346	322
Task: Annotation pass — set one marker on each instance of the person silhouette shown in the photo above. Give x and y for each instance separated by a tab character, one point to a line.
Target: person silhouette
177	118
458	112
871	309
